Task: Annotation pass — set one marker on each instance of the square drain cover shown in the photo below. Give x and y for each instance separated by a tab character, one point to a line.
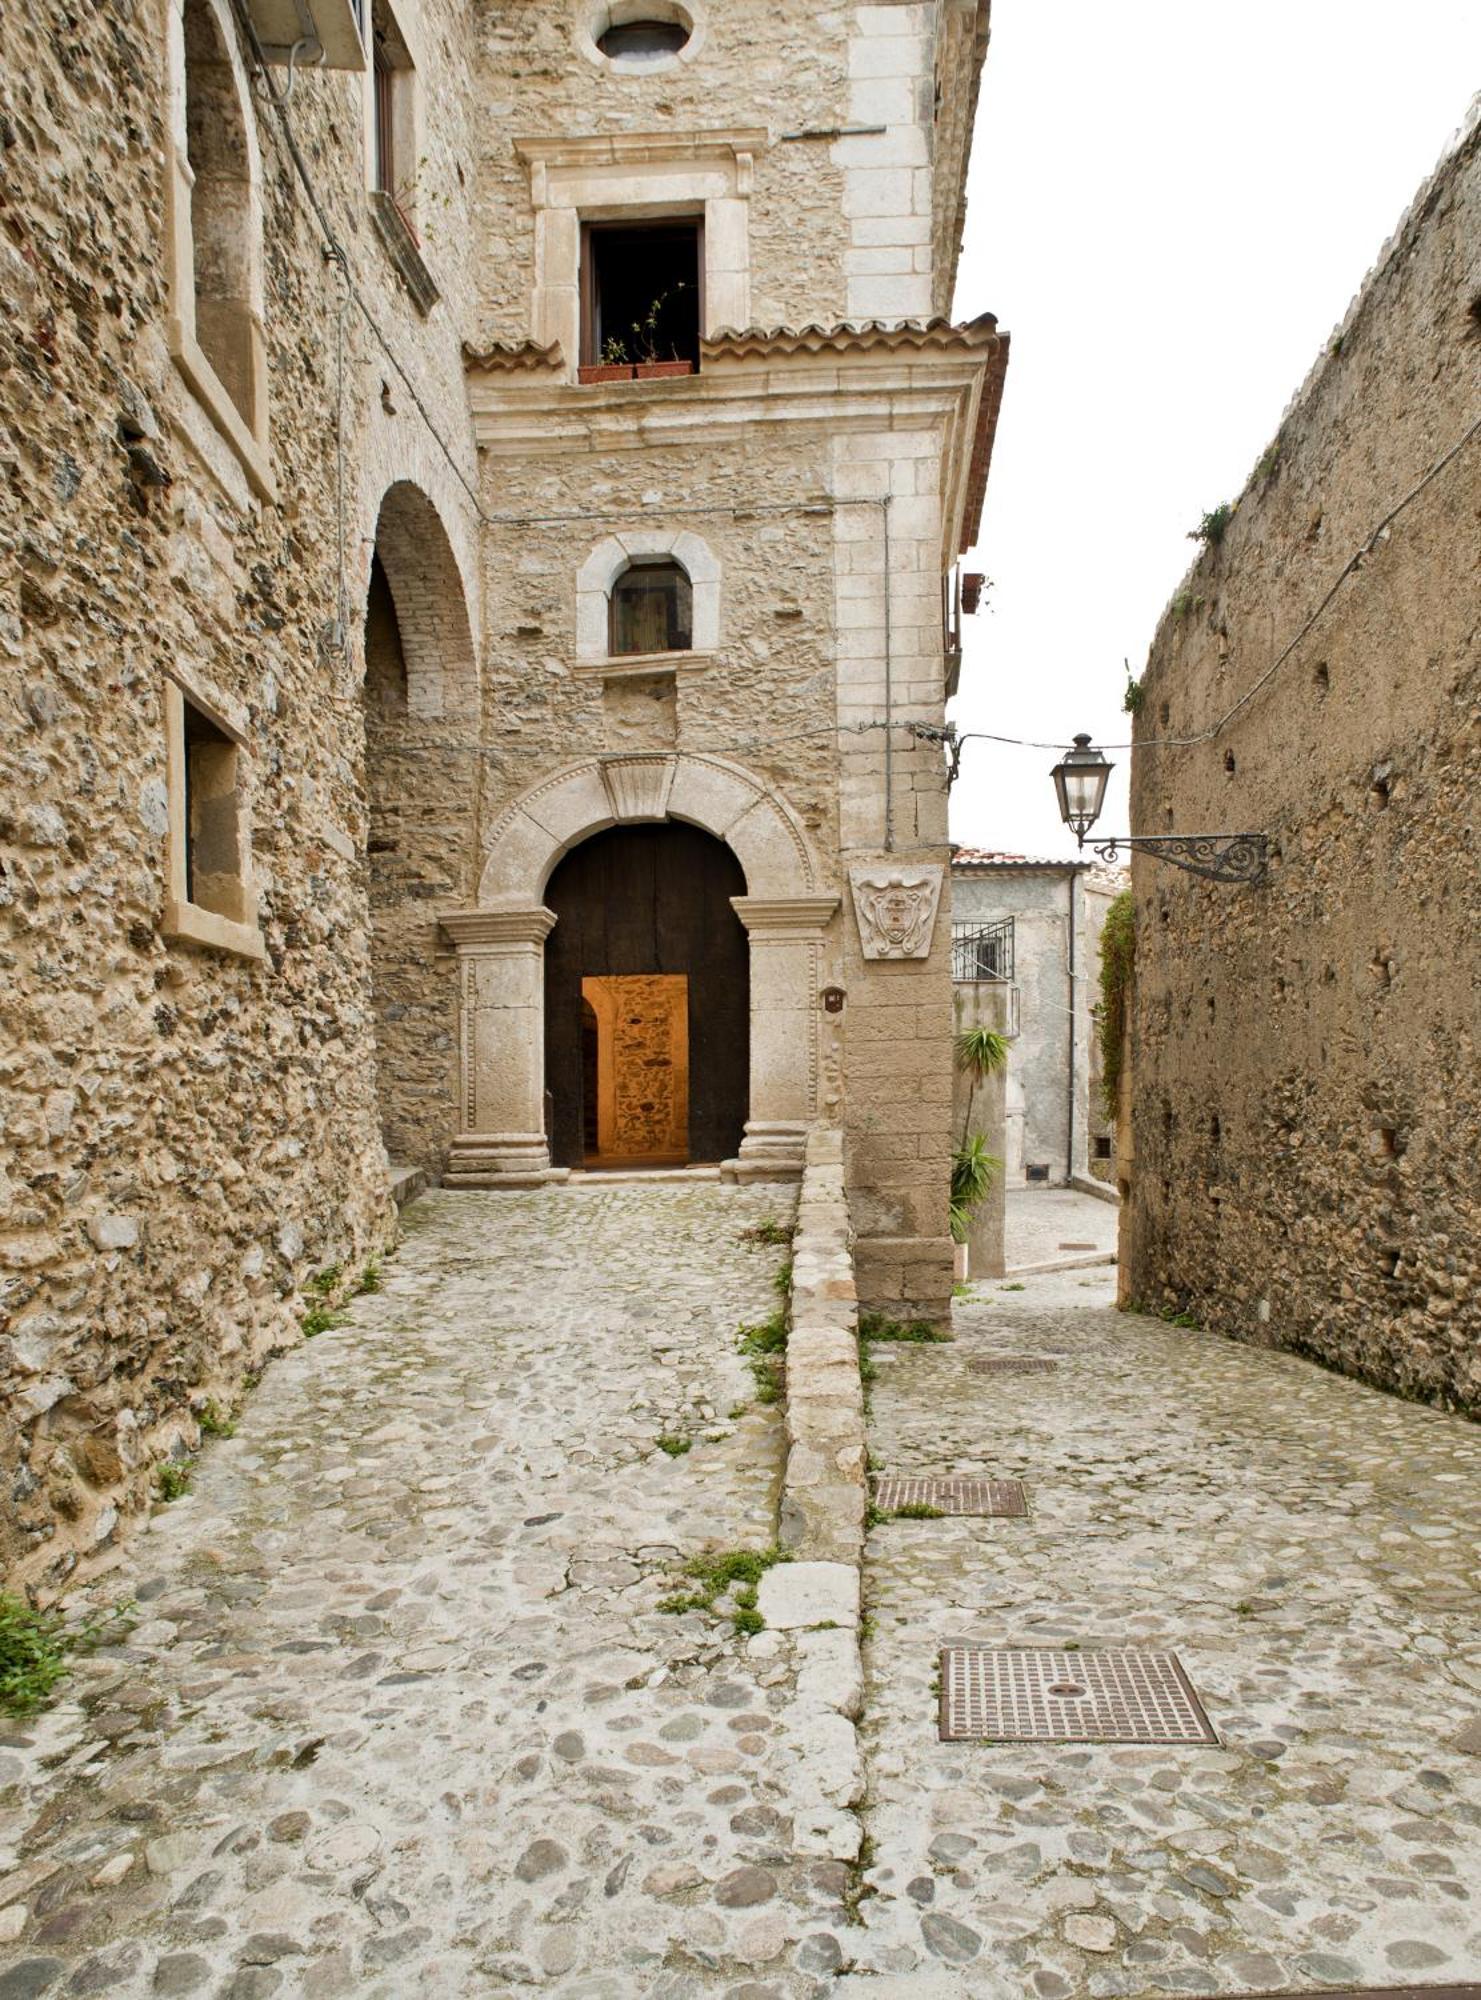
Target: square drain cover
950	1496
1012	1364
1036	1694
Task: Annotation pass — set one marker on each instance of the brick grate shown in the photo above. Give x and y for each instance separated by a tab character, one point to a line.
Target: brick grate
1012	1364
1003	1497
1037	1694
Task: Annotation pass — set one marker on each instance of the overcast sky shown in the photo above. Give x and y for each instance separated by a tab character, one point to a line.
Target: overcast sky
1171	204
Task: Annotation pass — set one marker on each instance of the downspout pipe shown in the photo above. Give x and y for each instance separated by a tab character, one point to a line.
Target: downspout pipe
1069	1164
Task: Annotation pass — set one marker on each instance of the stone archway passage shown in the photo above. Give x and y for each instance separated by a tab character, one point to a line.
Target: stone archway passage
646	900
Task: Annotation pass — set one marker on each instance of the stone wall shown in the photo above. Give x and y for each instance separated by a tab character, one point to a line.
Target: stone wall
1306	1090
188	1133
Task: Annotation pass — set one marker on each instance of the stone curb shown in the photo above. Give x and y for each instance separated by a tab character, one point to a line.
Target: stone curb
816	1597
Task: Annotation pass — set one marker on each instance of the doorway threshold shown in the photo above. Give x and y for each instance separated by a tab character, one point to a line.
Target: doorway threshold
622	1176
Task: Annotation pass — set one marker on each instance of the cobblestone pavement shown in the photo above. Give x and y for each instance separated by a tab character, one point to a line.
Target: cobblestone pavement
1309	1549
400	1717
1057	1225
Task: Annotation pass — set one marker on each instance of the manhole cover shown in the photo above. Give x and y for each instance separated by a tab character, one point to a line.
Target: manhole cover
950	1496
1037	1695
1012	1364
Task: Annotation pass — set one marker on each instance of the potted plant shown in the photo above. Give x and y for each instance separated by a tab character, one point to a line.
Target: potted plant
635	353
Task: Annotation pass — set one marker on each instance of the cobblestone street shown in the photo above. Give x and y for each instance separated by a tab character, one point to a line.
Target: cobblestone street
1306	1545
400	1716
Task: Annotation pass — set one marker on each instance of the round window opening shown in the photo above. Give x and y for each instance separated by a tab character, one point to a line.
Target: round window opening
636	43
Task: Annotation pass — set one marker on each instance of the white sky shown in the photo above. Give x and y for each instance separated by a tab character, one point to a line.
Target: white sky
1172	203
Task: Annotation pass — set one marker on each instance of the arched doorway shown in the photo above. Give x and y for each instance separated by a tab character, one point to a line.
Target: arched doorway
421	788
647	994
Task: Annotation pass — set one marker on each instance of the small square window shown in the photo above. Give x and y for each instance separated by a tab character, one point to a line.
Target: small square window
211	900
1103	1145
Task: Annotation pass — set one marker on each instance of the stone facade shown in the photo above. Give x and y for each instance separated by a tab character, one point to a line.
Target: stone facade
1057	909
1305	1100
302	594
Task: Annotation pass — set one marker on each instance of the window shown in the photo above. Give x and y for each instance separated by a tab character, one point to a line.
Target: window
643	42
393	135
1103	1145
210	899
652	608
214	246
640	296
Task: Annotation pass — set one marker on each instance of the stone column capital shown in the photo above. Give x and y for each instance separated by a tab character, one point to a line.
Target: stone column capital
778	917
487	930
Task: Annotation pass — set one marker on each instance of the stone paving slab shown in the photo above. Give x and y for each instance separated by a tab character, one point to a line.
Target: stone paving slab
1306	1545
1040	1221
399	1716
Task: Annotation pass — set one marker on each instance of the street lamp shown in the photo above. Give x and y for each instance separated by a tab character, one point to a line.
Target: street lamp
1080	779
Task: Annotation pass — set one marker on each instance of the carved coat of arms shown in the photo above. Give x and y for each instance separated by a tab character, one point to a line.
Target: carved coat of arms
896	910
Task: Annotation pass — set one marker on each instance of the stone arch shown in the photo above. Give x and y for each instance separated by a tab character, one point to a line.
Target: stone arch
426	587
607	561
723	798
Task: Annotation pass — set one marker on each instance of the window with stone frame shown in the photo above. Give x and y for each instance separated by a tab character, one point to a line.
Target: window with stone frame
652	608
211	899
393	114
641	295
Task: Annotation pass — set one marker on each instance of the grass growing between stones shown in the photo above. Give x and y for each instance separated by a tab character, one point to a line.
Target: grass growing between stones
918	1332
215	1422
675	1446
778	1234
764	1345
734	1571
172	1479
320	1319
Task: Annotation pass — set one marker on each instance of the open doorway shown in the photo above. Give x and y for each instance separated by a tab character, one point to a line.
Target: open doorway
640	1076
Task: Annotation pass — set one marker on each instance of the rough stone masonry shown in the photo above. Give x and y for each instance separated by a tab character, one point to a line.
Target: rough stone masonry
308	535
1305	1077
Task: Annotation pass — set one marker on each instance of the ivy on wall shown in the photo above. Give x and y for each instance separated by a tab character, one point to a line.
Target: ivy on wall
1117	960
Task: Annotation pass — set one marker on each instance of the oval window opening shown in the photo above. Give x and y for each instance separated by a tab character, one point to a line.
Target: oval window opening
643	41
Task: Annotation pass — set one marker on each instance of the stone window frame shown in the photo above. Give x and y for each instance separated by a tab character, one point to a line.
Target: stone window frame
247	437
232	928
600	15
635	177
607	562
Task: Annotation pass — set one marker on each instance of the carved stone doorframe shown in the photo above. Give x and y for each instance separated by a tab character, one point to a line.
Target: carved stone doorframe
502	1141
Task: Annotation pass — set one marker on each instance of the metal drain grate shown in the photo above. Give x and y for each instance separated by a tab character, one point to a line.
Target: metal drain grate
1012	1364
950	1496
1038	1695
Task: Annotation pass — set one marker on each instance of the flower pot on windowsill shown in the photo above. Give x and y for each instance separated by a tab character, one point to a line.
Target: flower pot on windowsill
651	371
606	371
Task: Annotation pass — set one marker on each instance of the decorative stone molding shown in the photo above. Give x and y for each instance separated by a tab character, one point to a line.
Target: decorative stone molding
638	786
896	909
607	561
502	1140
403	250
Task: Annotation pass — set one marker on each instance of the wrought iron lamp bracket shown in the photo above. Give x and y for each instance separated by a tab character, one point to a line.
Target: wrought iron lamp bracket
1217	857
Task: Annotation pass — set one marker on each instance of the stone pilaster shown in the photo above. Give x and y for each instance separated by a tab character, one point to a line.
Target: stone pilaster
501	1140
788	943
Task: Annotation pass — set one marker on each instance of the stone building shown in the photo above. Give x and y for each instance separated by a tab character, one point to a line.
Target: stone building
482	488
1034	927
1305	1080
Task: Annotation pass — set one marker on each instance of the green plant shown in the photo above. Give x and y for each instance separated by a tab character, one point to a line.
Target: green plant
1244	1608
918	1510
675	1446
1014	1287
172	1479
1210	530
879	1326
737	1571
961	1291
1117	963
769	1230
767	1336
640	342
1335	345
737	1411
873	1517
370	1278
1268	460
322	1283
33	1655
981	1051
768	1379
1131	700
972	1170
781	1280
216	1422
320	1319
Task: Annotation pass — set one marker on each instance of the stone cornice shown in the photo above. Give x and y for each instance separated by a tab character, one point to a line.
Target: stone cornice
475	930
638	148
929	377
792	916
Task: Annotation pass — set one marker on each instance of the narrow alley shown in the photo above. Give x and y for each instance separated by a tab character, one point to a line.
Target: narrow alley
403	1713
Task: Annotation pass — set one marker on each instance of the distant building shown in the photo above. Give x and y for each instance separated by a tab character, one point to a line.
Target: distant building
1034	926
